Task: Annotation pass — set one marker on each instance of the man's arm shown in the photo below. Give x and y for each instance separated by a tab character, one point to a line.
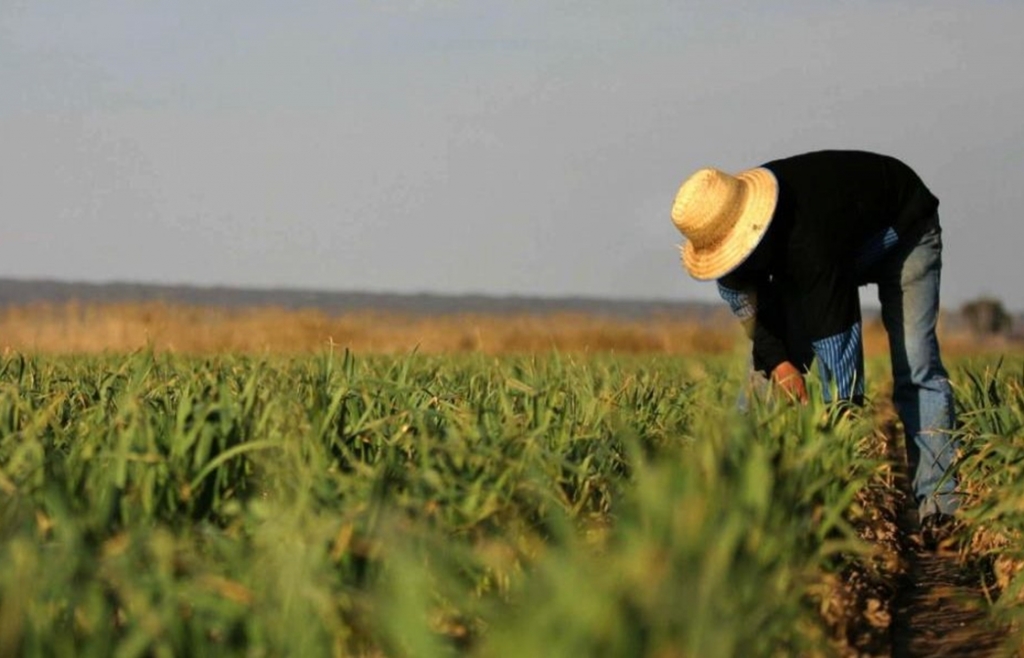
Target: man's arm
763	328
832	314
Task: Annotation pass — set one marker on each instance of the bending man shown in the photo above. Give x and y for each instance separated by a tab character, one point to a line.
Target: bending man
790	242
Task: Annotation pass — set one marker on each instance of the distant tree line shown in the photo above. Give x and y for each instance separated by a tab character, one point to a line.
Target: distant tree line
986	316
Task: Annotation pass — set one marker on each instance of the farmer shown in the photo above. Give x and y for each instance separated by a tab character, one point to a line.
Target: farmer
789	244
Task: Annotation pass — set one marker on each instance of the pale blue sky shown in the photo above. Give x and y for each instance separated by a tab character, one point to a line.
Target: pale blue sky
529	147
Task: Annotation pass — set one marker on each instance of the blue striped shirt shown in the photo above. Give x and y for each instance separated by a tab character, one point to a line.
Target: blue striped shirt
743	304
841	364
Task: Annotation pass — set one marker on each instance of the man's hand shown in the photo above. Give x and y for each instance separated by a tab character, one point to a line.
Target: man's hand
787	377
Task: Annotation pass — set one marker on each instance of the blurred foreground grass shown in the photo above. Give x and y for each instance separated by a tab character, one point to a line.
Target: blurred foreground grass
421	505
159	505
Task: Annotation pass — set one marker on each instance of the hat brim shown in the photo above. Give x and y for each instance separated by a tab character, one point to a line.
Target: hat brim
761	194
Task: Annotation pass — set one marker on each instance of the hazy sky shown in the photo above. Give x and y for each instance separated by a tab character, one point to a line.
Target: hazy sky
528	147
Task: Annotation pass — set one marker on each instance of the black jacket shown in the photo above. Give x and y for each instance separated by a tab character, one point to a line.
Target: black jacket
831	204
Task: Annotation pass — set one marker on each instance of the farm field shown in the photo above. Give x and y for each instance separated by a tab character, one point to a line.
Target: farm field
76	328
332	504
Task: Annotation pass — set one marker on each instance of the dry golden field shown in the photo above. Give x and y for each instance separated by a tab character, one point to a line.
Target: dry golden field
91	328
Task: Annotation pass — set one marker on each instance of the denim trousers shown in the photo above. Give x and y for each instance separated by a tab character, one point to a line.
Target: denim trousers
908	290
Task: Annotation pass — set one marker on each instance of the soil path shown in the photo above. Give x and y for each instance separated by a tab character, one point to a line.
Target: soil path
940	611
940	607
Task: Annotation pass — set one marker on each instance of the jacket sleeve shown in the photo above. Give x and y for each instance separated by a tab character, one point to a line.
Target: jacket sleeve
831	313
762	322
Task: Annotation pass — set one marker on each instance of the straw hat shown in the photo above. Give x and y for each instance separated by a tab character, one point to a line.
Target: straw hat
723	218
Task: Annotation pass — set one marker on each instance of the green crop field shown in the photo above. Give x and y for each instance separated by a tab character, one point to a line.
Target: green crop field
158	505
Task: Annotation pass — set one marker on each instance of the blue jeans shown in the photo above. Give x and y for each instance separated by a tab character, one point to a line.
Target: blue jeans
908	290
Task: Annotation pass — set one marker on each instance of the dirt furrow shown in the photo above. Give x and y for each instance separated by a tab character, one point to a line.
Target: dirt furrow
940	610
940	607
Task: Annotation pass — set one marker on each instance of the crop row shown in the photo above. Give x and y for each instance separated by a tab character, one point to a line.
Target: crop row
160	505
